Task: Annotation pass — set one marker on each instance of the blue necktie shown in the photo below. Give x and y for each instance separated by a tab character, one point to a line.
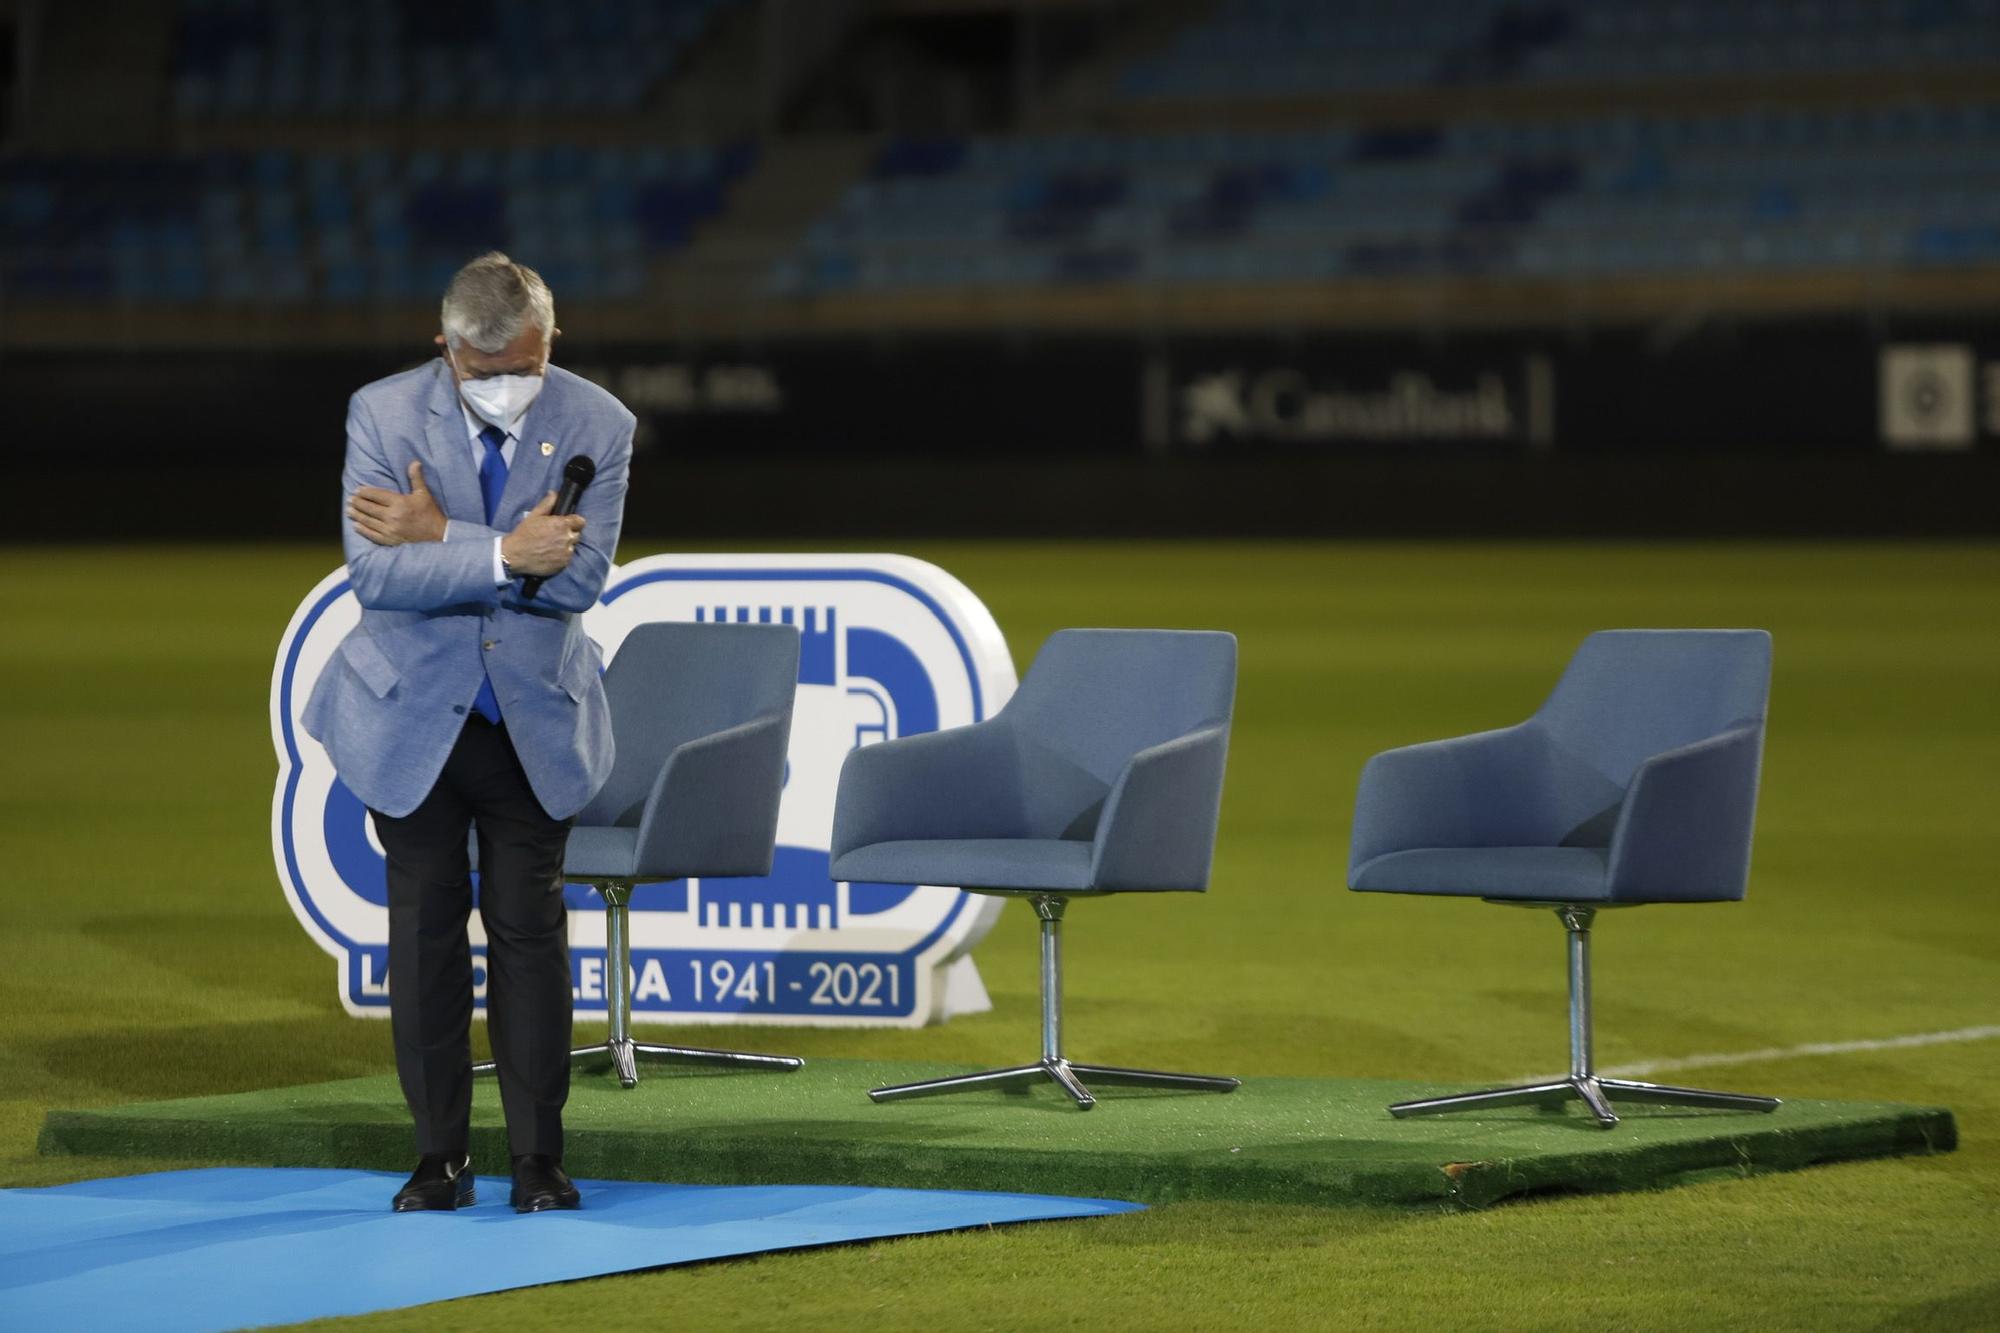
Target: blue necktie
492	481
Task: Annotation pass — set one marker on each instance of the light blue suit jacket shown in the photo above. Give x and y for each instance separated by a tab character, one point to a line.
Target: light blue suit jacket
390	705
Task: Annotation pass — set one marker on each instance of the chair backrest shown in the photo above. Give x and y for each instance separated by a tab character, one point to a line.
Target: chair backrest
1096	697
1629	694
670	683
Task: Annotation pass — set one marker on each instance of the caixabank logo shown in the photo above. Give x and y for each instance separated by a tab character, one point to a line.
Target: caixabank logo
889	646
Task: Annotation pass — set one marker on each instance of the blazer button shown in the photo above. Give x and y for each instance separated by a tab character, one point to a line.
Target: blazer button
488	645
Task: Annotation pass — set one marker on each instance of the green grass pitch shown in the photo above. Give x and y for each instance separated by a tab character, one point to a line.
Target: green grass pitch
149	952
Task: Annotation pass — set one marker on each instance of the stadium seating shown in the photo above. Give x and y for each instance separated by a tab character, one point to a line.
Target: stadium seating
1627	194
1586	196
301	59
1279	48
282	228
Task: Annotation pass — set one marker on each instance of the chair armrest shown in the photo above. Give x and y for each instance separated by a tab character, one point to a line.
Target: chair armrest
713	809
958	783
1482	790
1684	832
1158	826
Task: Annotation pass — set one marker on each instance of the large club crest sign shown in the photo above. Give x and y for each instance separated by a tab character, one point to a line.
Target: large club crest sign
889	646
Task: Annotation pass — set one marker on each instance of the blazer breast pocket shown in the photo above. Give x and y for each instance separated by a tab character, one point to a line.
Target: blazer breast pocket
377	672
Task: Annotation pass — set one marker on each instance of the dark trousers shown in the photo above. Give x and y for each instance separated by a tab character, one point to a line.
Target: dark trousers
527	947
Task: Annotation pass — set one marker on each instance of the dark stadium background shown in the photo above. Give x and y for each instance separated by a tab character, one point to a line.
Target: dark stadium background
910	268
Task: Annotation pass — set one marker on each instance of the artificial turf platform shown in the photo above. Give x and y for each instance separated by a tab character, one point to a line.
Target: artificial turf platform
1283	1140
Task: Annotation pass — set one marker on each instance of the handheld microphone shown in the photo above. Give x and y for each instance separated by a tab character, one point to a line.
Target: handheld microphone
577	474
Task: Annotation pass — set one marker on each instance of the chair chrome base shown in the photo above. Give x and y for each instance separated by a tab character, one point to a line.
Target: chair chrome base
625	1055
1583	1084
1594	1092
1064	1075
1053	1066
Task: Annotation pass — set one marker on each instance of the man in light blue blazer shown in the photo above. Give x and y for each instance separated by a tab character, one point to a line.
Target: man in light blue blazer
461	706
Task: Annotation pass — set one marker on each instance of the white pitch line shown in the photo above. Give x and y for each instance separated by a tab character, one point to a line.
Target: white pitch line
1714	1059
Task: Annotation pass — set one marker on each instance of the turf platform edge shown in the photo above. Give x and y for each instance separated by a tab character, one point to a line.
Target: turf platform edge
1464	1165
1916	1131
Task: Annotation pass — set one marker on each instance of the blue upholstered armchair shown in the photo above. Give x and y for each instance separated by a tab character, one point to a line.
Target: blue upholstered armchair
1636	782
701	714
1103	774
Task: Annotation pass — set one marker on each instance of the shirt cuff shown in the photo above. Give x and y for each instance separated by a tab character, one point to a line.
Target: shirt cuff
500	578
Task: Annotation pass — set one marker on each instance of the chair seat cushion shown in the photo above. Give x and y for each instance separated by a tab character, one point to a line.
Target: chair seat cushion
985	863
601	851
1557	874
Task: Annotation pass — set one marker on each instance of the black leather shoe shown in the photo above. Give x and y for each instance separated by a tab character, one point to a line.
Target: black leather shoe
439	1184
539	1184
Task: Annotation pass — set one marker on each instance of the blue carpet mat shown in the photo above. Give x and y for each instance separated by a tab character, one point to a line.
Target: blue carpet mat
234	1248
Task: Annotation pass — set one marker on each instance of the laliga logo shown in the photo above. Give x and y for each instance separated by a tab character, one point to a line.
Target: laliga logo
889	646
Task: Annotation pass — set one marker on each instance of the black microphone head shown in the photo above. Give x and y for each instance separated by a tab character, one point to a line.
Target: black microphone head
580	470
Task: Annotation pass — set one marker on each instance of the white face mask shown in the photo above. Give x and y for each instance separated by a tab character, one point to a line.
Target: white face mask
500	399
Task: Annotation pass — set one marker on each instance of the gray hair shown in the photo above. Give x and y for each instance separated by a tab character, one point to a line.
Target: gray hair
491	300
